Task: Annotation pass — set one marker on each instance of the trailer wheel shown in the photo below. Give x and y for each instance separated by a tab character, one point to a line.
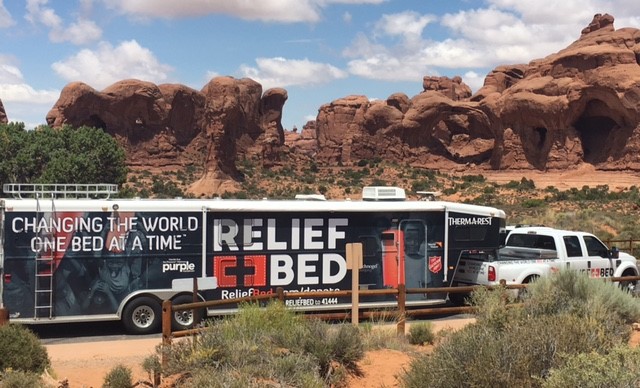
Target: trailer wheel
184	320
142	316
459	298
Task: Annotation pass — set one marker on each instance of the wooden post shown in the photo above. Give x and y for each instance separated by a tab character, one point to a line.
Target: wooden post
4	316
195	312
167	312
280	294
354	263
402	317
355	297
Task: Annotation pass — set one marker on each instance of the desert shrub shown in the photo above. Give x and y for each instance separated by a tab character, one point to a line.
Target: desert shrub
20	379
491	307
152	365
573	292
270	343
563	316
483	355
341	344
421	333
533	202
618	368
22	350
375	336
118	377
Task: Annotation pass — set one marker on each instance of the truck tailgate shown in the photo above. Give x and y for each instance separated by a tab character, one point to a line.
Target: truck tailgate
473	266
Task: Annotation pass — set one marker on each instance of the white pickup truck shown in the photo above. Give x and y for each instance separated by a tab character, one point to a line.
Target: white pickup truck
531	252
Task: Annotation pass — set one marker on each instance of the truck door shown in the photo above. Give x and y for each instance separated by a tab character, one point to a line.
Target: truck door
575	255
598	257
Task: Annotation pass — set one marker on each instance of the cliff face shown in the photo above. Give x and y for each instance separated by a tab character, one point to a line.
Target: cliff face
170	127
579	105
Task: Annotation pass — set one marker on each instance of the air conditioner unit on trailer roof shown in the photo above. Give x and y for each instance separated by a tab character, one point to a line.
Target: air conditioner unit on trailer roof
383	193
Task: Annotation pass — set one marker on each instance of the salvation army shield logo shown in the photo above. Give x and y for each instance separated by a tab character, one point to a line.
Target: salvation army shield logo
435	264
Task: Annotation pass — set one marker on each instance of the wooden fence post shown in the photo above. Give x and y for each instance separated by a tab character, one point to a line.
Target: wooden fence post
4	316
167	312
402	317
280	293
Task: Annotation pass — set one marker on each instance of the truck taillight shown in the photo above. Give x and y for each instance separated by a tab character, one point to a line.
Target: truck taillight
492	273
7	278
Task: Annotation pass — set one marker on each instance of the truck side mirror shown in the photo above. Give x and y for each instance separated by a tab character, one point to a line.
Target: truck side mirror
614	253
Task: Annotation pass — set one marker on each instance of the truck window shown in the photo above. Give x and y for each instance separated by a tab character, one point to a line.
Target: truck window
531	241
572	244
595	247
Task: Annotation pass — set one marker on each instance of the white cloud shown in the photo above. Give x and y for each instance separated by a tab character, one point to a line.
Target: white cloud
5	17
265	10
474	80
108	64
281	72
26	94
13	87
400	46
81	32
409	25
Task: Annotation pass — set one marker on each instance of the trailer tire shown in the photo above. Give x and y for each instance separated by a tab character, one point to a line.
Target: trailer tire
142	315
184	320
459	298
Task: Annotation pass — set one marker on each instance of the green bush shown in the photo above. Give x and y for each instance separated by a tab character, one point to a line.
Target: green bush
421	333
20	379
270	343
573	292
563	316
618	368
118	377
22	350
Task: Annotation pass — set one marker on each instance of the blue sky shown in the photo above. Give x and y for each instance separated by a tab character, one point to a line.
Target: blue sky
318	50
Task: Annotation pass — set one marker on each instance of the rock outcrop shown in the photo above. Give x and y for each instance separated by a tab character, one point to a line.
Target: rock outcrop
3	114
169	126
579	105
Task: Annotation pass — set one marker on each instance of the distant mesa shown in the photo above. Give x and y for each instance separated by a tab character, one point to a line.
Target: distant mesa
579	105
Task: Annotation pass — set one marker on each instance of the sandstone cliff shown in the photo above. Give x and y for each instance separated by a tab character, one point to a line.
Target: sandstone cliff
579	105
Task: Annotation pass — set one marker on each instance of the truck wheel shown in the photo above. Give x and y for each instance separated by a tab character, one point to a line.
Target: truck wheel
142	316
184	320
523	293
628	285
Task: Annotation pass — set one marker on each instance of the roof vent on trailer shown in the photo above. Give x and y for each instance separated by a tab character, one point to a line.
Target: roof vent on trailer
383	193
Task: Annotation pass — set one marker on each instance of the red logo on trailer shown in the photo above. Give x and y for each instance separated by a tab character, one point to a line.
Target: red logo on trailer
225	266
435	264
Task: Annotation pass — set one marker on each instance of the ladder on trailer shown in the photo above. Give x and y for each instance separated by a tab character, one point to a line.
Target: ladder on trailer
45	258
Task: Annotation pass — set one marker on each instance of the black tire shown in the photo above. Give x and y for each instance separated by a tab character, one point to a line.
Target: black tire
142	315
184	320
628	285
459	298
523	293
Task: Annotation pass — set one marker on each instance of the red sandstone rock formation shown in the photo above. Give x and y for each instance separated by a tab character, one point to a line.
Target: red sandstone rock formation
170	126
3	115
579	105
